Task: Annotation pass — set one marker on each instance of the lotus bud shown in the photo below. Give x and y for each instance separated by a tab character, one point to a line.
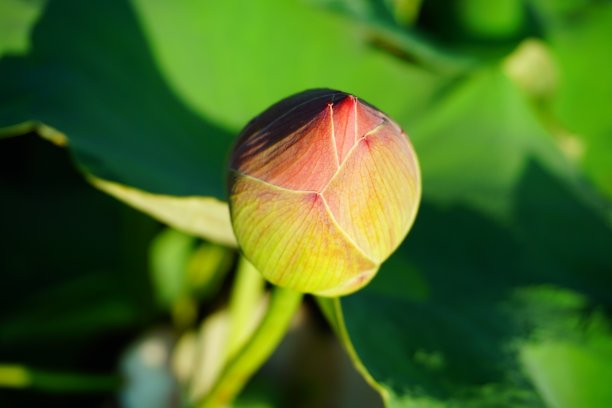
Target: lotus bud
323	188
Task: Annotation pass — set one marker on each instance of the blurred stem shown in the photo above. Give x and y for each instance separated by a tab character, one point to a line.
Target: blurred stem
283	305
18	376
246	294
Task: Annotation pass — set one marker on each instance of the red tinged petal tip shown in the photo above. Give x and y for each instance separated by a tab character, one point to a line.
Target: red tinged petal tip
345	126
303	160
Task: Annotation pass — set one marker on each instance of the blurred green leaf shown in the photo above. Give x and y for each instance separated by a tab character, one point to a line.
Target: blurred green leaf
451	38
571	368
581	44
52	313
16	20
139	100
19	376
386	29
477	143
122	121
510	253
72	262
239	69
492	19
405	11
207	267
185	271
170	252
570	375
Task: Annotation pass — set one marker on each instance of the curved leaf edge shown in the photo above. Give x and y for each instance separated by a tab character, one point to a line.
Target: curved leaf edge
202	216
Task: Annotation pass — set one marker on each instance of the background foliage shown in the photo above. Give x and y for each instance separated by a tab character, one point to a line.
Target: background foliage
500	296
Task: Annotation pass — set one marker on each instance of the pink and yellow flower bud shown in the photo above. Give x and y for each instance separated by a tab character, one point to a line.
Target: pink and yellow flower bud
323	188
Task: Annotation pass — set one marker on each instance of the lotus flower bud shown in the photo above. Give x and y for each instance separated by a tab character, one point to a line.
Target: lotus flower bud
323	188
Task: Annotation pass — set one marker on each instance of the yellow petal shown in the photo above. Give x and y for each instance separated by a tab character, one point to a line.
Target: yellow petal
293	240
375	195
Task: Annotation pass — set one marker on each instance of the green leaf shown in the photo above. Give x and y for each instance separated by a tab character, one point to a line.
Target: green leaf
16	20
98	84
385	27
73	268
169	254
506	269
182	269
206	217
233	71
571	375
492	20
581	46
185	273
148	104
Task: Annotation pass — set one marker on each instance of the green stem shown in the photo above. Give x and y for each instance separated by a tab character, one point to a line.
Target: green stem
283	305
18	376
247	292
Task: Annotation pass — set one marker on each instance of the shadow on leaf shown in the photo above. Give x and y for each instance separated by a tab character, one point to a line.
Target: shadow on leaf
91	75
457	301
